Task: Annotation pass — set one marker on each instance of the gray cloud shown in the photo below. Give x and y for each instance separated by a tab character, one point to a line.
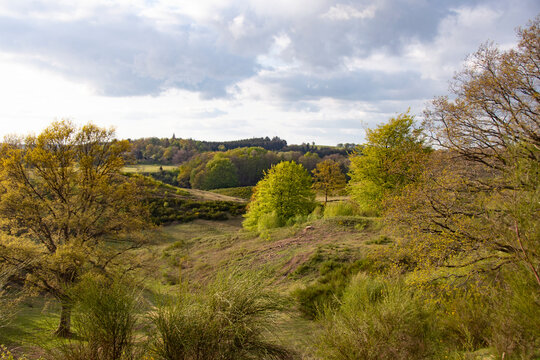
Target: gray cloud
127	56
355	86
122	53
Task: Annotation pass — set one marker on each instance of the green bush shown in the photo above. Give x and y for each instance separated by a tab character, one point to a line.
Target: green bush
285	190
166	176
268	221
381	240
181	210
353	222
105	319
316	214
465	318
5	354
377	319
515	330
228	320
9	298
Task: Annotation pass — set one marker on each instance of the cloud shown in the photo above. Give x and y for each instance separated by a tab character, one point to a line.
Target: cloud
354	86
347	12
125	54
137	48
288	68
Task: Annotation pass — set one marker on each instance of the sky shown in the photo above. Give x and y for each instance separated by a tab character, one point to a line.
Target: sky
305	70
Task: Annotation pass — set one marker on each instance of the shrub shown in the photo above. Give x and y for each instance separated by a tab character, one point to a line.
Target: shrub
188	210
377	319
9	299
316	214
227	320
515	330
465	317
268	221
166	176
105	320
5	354
380	240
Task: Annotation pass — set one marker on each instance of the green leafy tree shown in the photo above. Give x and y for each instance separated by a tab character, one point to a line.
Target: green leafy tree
284	192
328	178
63	203
219	173
392	158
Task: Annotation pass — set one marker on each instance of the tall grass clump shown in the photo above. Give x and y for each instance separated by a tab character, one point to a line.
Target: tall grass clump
378	319
340	208
105	316
229	319
326	291
516	326
465	315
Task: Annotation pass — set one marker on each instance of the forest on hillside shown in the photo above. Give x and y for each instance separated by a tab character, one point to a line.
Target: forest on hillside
176	150
239	167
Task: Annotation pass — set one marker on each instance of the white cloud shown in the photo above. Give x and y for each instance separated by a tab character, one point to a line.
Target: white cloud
347	12
238	27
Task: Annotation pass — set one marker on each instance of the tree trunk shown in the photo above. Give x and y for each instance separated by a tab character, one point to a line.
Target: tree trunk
64	328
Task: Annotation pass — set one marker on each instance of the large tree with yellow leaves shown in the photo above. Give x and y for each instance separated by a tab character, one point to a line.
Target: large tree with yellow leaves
65	208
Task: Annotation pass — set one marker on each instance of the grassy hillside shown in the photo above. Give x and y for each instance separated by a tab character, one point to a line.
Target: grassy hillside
142	168
289	258
243	192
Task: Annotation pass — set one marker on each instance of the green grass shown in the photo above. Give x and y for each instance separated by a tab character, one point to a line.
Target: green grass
33	325
147	168
243	192
195	252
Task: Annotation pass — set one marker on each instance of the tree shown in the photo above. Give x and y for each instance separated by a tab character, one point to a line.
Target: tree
65	206
494	121
9	299
392	158
480	203
219	173
309	160
285	192
327	177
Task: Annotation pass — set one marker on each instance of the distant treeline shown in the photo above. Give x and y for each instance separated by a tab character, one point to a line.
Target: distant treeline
238	167
176	151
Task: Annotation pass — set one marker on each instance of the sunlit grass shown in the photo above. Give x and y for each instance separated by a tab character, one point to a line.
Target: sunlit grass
147	168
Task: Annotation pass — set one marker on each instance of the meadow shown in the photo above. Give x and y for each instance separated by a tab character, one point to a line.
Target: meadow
288	259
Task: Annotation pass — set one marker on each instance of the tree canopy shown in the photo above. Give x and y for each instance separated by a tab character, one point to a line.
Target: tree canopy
220	172
284	192
327	177
62	200
477	204
391	158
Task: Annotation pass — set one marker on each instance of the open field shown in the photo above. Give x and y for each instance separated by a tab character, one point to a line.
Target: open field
140	168
203	195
